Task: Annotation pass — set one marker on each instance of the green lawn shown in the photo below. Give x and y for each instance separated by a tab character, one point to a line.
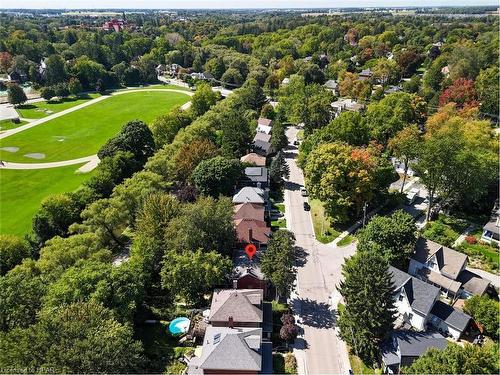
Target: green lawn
43	109
7	125
322	228
81	133
21	192
346	240
483	255
358	366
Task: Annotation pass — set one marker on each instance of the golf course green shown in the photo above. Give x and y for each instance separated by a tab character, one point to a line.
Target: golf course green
73	135
82	132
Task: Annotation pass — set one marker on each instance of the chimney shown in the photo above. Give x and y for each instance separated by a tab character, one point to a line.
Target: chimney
250	234
230	321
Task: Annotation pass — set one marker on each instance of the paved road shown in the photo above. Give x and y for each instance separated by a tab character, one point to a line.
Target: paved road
314	301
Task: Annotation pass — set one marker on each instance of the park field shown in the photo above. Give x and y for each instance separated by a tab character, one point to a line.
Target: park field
42	109
73	135
82	132
21	192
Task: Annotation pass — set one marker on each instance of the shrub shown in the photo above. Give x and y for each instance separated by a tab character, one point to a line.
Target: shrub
290	364
471	240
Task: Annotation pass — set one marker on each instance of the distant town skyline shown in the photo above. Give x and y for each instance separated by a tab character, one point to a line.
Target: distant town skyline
233	4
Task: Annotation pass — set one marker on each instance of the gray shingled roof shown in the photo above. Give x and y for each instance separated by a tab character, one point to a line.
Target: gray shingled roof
241	304
236	349
256	174
249	194
421	295
410	344
242	265
472	283
451	316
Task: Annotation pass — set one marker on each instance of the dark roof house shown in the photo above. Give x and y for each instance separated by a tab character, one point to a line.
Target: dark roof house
256	176
262	143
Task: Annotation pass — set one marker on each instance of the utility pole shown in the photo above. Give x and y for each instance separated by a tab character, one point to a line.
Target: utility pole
365	206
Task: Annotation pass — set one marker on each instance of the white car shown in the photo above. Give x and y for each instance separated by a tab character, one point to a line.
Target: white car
303	192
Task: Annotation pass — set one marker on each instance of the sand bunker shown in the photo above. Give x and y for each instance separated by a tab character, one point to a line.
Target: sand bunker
10	149
35	155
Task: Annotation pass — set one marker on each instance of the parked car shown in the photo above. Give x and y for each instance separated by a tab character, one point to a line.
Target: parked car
412	195
303	192
306	206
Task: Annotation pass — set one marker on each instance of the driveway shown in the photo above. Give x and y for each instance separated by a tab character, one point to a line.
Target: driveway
314	299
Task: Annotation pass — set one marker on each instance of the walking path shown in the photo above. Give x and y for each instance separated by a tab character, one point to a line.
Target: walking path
92	160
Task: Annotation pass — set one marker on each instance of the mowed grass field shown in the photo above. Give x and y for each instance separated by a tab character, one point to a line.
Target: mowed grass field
42	109
21	192
83	132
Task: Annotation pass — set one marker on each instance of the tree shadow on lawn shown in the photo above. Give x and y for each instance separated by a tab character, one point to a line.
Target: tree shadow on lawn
26	106
313	313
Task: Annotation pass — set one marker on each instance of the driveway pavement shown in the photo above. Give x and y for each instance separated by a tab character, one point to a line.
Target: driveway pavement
314	299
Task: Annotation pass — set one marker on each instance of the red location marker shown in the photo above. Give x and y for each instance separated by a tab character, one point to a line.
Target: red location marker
250	250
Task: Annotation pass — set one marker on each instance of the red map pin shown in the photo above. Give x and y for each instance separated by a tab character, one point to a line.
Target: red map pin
250	250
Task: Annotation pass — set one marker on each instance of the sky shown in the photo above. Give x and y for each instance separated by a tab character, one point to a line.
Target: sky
218	4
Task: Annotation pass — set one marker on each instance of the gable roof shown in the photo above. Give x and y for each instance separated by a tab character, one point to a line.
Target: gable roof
450	262
473	283
262	137
410	344
238	303
254	158
260	233
264	121
331	84
242	265
249	194
451	316
236	349
248	211
256	174
421	295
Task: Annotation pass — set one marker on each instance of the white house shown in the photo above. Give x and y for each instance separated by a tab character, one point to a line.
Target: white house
264	125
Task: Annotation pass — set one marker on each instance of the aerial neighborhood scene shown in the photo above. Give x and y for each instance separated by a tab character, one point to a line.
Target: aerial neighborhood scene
230	188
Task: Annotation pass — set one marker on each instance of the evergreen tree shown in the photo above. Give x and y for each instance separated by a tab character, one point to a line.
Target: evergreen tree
368	292
16	95
279	169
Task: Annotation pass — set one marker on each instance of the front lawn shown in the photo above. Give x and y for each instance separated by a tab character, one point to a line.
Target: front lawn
323	230
83	132
359	367
42	109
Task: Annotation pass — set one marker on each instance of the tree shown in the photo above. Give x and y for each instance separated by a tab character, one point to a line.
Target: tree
12	252
190	155
55	70
344	178
47	92
202	100
61	90
217	176
278	260
386	71
82	337
457	159
393	237
53	218
231	78
488	88
135	137
166	127
15	94
409	61
455	359
236	136
461	92
88	72
279	139
216	67
484	310
369	311
279	169
189	275
251	96
405	146
289	332
74	86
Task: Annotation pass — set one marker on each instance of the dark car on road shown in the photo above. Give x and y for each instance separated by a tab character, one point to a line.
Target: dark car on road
306	206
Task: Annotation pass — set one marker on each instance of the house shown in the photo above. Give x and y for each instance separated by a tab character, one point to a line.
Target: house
246	272
491	230
241	308
205	76
342	105
262	144
17	77
253	158
445	268
160	69
252	231
264	125
250	194
43	67
113	25
332	85
256	176
392	89
249	211
233	350
365	74
403	347
418	305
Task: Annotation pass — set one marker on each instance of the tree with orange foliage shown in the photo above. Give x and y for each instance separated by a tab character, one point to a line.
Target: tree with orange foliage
462	92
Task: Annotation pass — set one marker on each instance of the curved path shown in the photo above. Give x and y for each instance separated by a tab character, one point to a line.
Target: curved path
92	160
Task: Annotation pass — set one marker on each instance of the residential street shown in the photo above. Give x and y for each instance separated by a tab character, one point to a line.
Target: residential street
314	301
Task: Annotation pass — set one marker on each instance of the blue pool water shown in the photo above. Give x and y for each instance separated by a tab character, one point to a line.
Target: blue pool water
179	325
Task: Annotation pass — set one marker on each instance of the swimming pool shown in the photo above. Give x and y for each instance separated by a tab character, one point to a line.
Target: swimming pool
179	325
